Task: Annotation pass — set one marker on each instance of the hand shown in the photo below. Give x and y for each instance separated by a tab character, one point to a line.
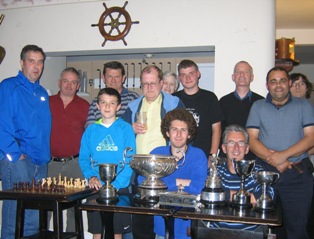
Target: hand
139	128
93	182
276	158
284	166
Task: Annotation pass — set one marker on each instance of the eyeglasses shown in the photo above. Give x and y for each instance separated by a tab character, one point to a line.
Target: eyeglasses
300	84
232	143
152	84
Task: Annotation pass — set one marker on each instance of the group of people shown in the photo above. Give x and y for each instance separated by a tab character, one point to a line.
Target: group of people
44	136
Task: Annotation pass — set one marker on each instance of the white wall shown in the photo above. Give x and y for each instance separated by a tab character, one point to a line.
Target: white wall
238	30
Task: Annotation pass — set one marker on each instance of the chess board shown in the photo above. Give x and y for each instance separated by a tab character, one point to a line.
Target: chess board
51	185
41	190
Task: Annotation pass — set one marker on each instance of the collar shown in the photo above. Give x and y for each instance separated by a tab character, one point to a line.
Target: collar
269	100
124	90
24	79
248	95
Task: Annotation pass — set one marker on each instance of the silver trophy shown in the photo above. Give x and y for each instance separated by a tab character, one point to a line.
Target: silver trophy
152	167
265	178
108	172
213	195
243	168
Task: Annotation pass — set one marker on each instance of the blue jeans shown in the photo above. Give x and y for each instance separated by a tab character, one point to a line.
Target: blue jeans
19	171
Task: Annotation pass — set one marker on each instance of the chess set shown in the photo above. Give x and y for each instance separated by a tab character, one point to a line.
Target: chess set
51	185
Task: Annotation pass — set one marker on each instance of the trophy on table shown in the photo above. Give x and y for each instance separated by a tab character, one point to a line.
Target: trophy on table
108	172
243	168
152	167
212	194
265	178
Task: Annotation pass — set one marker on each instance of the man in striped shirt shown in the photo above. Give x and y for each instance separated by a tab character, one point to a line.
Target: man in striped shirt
235	145
114	77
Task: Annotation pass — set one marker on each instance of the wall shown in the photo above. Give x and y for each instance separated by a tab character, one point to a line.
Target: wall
238	30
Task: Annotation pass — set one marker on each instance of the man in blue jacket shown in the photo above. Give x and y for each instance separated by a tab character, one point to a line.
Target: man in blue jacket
25	125
156	104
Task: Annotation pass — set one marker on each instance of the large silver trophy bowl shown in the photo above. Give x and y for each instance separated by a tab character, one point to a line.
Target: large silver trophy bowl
153	167
212	194
265	178
108	172
243	168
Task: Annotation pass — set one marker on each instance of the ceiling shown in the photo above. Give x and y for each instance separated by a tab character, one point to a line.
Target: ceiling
297	14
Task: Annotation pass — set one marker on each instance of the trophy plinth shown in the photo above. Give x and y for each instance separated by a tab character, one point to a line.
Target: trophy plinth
265	178
152	167
212	194
107	193
243	168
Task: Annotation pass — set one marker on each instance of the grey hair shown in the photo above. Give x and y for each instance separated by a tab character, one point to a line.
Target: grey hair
174	75
243	62
235	128
72	70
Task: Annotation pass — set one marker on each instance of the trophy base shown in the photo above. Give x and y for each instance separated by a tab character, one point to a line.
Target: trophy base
240	200
178	199
241	206
150	191
211	205
264	206
108	201
213	198
145	201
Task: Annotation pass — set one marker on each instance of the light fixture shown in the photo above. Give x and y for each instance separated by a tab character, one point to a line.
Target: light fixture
285	54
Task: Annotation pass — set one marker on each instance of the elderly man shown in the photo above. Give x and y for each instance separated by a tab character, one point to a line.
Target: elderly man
25	125
156	104
114	77
69	113
281	130
235	146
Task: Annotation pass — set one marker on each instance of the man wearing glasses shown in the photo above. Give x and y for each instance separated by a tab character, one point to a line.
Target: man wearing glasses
235	145
156	104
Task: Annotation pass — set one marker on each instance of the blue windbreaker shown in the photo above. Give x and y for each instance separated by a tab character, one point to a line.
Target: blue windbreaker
25	120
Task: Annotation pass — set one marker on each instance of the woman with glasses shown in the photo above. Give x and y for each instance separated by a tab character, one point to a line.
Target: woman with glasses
301	87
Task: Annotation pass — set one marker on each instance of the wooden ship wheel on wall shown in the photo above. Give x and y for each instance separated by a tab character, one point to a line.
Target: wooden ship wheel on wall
115	23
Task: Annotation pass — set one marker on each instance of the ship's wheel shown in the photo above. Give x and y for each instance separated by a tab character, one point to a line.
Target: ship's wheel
115	23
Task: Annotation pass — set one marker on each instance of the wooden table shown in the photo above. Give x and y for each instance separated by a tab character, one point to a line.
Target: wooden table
229	214
226	214
124	205
48	201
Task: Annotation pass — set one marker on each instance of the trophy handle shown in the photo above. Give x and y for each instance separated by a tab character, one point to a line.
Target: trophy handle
277	178
123	162
183	153
125	154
